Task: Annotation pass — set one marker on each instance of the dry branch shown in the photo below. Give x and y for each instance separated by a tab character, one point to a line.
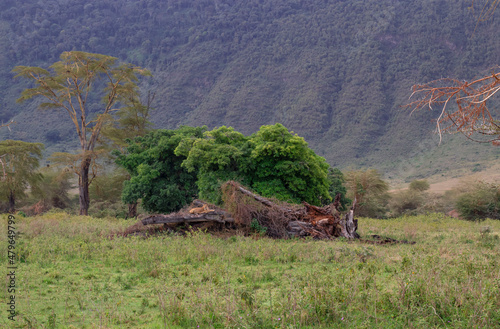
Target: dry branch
283	219
471	116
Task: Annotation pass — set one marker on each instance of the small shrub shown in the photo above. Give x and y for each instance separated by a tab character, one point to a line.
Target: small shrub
54	188
481	202
256	227
108	209
419	185
407	202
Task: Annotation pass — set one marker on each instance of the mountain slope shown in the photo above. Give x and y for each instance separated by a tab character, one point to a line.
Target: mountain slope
335	72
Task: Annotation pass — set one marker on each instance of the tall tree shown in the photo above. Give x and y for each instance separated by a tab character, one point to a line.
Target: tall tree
69	85
132	121
19	160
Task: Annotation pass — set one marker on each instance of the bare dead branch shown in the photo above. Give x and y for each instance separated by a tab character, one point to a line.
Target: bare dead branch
471	114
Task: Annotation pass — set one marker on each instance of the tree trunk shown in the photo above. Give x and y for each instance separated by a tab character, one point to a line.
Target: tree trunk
132	210
83	187
12	202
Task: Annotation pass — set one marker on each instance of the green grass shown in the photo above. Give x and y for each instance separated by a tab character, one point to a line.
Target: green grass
72	275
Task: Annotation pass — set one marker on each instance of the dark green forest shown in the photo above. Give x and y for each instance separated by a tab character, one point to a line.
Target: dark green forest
334	72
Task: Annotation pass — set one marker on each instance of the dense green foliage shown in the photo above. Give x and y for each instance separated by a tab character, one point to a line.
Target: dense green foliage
220	155
335	72
274	162
282	165
337	186
156	173
72	275
18	169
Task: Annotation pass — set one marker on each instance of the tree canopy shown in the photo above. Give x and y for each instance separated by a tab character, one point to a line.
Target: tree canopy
157	177
70	84
189	161
369	190
282	165
471	116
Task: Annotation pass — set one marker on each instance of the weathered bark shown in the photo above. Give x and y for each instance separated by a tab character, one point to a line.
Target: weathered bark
320	222
12	202
262	200
83	187
286	220
132	210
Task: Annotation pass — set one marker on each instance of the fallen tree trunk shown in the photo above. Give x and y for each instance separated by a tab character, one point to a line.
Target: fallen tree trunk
319	222
281	220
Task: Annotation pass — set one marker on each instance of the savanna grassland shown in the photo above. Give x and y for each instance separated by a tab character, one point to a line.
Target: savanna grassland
73	274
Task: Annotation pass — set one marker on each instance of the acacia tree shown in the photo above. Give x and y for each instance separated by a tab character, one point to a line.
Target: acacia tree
70	84
19	163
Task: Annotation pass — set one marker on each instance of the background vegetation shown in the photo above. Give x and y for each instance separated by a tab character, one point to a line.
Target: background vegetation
335	72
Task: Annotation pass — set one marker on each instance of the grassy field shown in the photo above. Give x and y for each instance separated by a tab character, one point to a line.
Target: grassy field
71	274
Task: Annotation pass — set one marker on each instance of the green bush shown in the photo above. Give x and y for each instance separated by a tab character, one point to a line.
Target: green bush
481	202
419	185
370	192
407	202
54	188
108	186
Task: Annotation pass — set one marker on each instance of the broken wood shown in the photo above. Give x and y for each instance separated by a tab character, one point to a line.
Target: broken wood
319	222
258	198
281	220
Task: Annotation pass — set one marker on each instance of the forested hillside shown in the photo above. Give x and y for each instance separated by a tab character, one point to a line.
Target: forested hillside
335	72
